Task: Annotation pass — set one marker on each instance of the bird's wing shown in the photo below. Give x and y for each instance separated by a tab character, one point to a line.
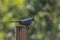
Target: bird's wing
26	19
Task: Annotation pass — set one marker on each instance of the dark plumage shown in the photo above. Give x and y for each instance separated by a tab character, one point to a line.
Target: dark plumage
25	22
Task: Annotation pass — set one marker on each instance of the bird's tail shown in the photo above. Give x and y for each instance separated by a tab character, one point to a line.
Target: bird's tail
15	21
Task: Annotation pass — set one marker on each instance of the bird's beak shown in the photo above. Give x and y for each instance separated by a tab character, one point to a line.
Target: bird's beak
34	20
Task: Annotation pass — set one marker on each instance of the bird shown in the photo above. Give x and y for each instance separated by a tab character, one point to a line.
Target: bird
25	22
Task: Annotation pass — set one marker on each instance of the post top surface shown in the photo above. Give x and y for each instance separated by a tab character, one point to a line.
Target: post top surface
20	26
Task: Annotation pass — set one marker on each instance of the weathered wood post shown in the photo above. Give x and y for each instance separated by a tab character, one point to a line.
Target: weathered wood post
21	32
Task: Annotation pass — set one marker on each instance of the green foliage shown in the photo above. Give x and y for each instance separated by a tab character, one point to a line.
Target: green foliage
41	28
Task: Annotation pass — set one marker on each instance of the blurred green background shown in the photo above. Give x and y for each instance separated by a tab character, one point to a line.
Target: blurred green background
40	29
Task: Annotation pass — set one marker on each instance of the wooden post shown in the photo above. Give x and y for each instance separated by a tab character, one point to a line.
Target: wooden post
21	33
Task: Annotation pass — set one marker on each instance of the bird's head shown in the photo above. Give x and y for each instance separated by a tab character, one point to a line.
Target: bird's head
33	18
